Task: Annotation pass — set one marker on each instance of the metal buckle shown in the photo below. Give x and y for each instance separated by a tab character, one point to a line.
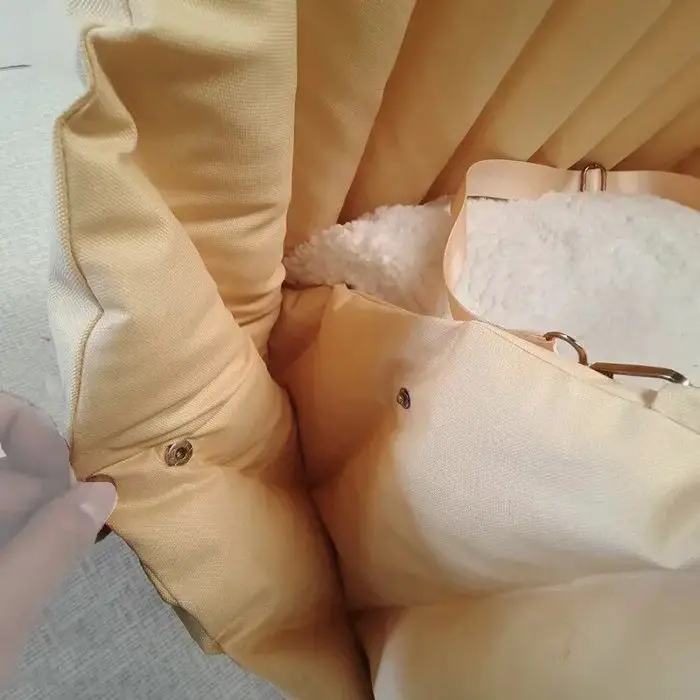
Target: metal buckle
580	350
610	369
603	175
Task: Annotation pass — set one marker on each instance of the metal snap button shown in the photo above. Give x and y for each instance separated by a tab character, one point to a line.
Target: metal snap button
178	453
403	398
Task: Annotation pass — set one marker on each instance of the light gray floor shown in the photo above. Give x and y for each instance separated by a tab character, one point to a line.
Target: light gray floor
108	636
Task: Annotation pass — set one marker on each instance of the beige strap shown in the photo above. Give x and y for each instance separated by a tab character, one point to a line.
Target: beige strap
508	179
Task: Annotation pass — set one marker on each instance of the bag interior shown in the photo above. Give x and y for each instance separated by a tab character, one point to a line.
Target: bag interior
213	137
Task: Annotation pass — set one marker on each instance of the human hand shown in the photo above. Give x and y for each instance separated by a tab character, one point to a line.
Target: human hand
48	521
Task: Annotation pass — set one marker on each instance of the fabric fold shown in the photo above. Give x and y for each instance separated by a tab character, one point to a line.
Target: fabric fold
174	183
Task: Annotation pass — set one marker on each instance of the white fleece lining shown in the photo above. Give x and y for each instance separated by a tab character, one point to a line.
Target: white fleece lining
620	273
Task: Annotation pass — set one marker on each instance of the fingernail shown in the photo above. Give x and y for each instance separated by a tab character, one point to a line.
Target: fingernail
97	500
101	477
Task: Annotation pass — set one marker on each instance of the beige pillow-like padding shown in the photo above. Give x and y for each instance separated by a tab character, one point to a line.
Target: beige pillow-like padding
173	204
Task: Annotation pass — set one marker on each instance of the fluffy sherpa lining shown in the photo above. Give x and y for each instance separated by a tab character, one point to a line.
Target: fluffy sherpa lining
620	273
394	253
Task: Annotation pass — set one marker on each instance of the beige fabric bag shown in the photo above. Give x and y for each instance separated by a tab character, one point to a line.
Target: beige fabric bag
413	484
452	461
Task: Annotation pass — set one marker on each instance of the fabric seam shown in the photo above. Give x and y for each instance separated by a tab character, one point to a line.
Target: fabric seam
66	226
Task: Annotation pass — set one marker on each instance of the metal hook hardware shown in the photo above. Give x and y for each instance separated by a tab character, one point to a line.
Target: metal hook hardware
610	369
584	181
580	350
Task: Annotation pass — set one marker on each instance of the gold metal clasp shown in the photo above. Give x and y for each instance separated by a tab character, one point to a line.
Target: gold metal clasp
584	182
611	370
572	342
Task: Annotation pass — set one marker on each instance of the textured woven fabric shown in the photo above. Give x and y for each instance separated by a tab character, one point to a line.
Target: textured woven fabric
198	171
207	126
108	636
505	468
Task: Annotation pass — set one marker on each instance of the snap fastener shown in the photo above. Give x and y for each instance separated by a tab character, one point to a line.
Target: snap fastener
403	398
178	453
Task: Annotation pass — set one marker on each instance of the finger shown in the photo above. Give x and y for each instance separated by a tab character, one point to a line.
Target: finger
34	564
31	441
20	497
18	493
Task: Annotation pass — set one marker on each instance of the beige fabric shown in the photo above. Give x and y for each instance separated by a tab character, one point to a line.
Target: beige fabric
488	479
511	468
183	258
215	133
607	638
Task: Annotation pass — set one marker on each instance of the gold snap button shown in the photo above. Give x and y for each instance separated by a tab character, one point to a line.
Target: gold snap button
178	453
403	398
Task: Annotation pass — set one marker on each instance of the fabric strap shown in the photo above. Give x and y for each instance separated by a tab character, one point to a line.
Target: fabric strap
508	179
